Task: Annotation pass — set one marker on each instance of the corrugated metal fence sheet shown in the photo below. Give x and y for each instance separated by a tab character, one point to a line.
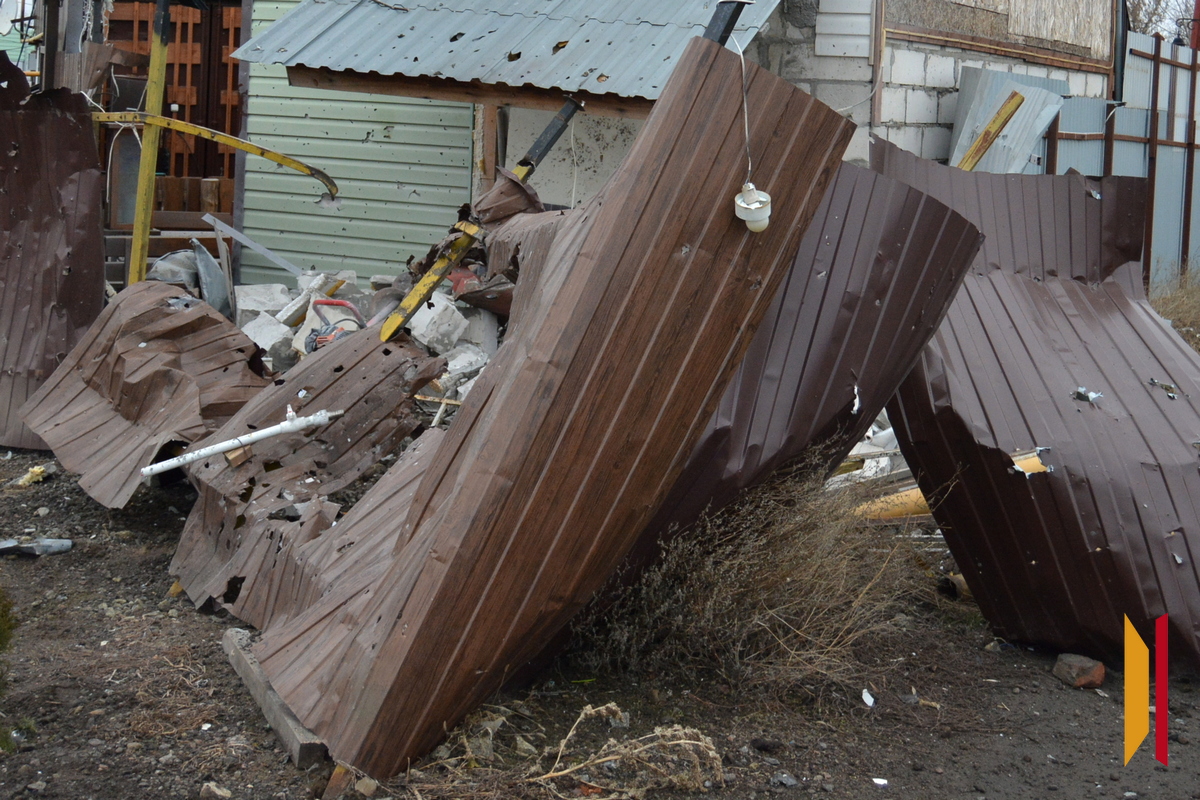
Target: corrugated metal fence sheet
573	433
983	93
625	48
51	247
1113	527
869	286
158	366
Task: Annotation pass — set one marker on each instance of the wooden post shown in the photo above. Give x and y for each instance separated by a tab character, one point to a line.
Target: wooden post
210	195
1151	165
1189	172
136	268
491	141
1051	165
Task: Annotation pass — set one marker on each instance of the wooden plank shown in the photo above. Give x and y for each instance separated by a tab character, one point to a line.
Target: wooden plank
185	220
460	92
210	195
303	746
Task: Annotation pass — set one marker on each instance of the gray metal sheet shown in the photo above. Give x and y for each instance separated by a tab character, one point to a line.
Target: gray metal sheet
618	47
1020	137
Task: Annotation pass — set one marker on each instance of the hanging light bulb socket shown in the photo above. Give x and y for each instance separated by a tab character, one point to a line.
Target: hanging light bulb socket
753	207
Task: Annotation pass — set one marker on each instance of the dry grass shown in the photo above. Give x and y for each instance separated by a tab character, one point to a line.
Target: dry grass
775	592
1182	307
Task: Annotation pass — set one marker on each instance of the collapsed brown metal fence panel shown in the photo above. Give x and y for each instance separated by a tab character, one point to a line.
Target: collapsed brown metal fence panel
1081	367
870	284
51	247
158	366
247	514
578	426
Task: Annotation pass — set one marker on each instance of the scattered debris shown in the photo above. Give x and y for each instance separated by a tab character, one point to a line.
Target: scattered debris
1079	671
37	547
868	698
1083	394
32	476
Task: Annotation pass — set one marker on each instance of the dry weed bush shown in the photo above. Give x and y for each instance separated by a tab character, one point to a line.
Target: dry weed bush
1182	307
775	592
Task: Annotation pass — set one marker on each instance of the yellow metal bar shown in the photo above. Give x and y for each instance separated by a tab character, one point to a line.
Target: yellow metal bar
522	172
991	132
144	204
138	117
421	293
912	503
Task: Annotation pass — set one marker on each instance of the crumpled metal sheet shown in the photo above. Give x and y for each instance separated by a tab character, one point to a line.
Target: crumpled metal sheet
872	280
277	497
573	433
1113	527
51	245
158	366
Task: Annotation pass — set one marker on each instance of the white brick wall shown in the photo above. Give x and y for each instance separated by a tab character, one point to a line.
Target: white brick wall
892	105
908	67
922	107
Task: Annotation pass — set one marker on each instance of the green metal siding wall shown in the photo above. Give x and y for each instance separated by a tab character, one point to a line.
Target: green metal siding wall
403	167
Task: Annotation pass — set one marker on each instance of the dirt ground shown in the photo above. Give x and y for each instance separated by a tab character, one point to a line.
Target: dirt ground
116	690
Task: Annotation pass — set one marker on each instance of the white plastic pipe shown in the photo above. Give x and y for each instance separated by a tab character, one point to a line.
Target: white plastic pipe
291	425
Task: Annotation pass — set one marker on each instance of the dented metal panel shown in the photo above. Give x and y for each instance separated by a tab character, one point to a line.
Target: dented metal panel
1049	348
622	48
159	366
571	436
51	247
870	284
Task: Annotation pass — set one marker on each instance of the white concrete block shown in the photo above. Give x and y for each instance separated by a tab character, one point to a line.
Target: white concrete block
939	72
483	329
892	104
1096	85
438	324
947	105
254	299
906	138
464	361
921	106
1037	71
1078	83
1019	69
935	144
264	330
465	389
1058	74
859	150
800	65
977	64
908	67
306	279
851	99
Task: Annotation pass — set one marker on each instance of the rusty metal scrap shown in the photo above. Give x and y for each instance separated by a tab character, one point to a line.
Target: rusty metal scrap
159	366
51	245
1050	345
276	496
572	434
872	280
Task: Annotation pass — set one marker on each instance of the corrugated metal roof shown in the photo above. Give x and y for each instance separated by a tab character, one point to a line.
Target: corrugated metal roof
626	48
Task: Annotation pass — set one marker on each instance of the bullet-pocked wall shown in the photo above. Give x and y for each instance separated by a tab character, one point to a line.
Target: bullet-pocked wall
403	167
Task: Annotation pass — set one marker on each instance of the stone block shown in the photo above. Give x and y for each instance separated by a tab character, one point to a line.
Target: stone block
254	299
906	138
438	324
939	72
908	67
264	330
947	106
1079	671
935	143
921	107
892	104
1078	83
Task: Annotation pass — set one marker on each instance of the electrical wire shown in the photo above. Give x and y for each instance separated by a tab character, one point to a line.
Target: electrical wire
745	107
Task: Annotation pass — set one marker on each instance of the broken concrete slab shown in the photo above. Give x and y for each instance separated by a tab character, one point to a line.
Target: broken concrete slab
438	324
264	330
254	299
1079	671
483	330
